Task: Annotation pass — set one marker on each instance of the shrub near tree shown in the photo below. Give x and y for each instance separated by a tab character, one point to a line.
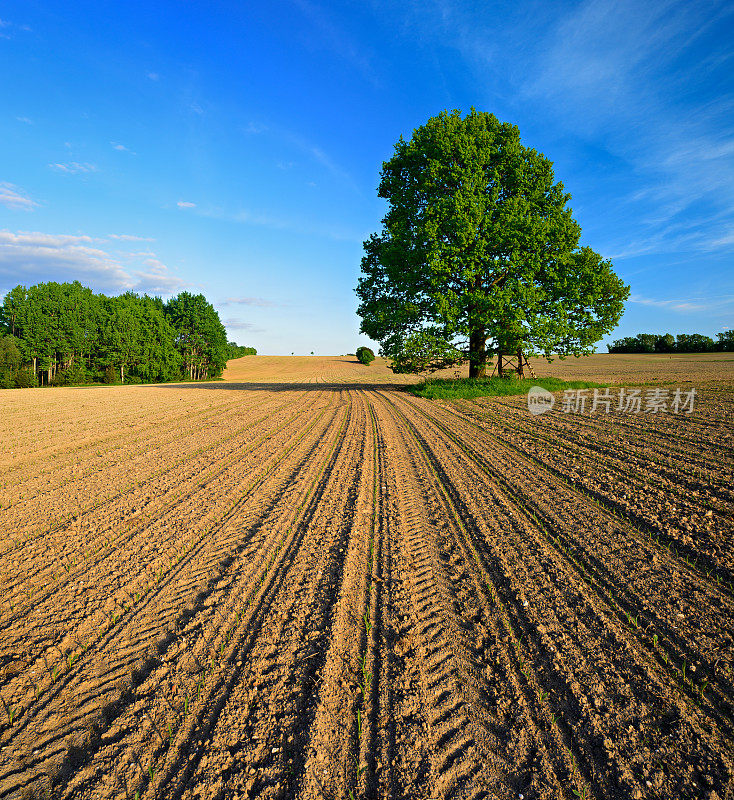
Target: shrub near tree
479	254
365	356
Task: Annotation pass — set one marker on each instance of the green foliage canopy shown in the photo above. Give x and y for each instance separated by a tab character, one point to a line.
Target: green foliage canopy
479	253
682	343
365	355
65	333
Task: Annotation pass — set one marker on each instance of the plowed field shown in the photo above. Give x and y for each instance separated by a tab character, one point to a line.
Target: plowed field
303	582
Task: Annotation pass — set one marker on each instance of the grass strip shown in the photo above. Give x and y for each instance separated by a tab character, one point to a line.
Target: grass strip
468	388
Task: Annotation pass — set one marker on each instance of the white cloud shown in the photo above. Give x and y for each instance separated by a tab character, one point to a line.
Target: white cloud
74	167
32	257
120	147
185	204
254	128
13	197
685	306
25	120
127	237
622	59
238	325
153	76
645	85
305	227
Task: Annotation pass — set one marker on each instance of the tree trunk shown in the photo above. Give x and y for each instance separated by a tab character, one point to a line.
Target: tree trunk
500	368
520	368
477	353
122	373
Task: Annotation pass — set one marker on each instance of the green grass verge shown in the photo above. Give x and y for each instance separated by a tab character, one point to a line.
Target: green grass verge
467	388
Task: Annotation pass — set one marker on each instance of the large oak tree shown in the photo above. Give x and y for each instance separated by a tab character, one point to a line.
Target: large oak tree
479	253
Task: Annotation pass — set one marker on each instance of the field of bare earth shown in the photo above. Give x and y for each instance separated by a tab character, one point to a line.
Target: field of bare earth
304	582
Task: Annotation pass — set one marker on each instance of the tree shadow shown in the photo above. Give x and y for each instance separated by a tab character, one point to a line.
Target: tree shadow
287	387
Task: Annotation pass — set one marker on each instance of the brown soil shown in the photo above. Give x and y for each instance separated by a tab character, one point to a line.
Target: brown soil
303	582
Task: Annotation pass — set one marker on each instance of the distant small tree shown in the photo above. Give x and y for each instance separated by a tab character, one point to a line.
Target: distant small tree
365	356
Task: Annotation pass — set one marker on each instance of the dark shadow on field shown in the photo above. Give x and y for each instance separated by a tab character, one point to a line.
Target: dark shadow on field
287	387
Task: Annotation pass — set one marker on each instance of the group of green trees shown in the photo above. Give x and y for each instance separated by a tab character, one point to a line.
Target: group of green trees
235	350
682	343
479	254
63	333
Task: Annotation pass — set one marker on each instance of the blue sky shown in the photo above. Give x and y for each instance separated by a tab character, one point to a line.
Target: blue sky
234	148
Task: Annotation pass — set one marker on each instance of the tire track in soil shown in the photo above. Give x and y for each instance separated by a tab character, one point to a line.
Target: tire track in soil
705	747
480	745
164	421
124	442
160	615
90	624
328	738
109	505
244	585
294	615
678	636
202	474
561	457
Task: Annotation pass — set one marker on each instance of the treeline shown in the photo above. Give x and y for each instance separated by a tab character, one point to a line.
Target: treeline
682	343
63	333
238	350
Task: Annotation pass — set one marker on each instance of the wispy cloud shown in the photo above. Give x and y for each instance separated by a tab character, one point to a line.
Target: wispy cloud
254	128
74	167
13	197
336	39
33	257
239	325
624	60
260	302
312	151
127	237
320	156
726	239
7	28
25	120
301	226
121	148
153	76
185	204
689	305
634	81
